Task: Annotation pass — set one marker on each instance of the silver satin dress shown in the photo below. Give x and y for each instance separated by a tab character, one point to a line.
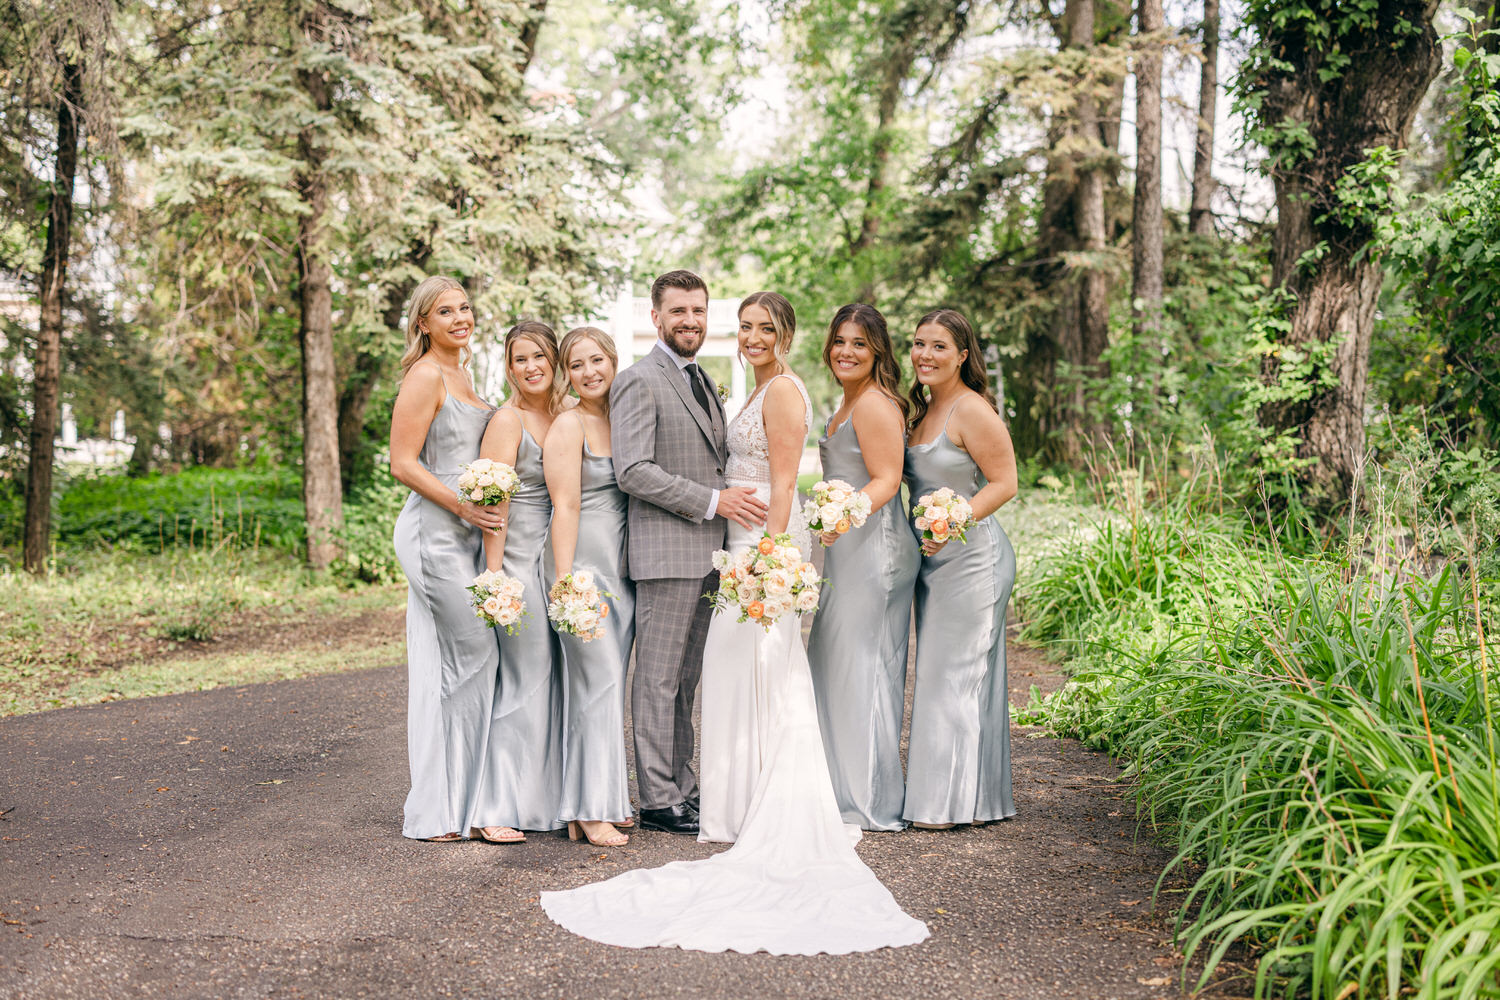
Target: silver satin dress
522	784
596	785
858	647
958	764
450	655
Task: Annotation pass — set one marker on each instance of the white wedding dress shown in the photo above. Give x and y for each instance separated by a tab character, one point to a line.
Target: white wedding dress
792	883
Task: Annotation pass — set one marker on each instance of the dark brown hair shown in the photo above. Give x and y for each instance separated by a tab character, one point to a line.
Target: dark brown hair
541	335
971	372
887	370
686	280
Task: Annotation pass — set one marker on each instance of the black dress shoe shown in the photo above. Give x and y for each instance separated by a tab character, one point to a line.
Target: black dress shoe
680	818
692	800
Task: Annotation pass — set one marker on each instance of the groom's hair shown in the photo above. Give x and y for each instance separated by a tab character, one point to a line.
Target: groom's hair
686	280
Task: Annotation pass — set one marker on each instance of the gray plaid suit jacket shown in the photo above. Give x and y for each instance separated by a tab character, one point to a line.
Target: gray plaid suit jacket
668	457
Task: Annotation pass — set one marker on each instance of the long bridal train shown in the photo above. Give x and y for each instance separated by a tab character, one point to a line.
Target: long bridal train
791	884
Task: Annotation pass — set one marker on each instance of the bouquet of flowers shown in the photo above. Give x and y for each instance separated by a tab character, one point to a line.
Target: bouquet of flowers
835	506
497	600
487	482
765	582
943	515
576	605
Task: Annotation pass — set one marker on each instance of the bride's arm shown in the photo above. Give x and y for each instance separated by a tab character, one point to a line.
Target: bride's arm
785	418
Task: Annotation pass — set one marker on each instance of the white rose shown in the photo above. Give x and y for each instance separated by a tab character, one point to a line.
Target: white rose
921	523
467	481
492	606
586	620
792	555
583	579
830	514
778	606
778	583
485	479
807	600
476	494
838	496
935	513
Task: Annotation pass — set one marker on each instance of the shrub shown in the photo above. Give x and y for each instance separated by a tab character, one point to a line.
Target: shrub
241	507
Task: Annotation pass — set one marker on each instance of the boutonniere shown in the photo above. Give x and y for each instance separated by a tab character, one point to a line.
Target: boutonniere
723	391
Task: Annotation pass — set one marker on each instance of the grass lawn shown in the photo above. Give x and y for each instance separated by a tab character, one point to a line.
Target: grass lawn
111	625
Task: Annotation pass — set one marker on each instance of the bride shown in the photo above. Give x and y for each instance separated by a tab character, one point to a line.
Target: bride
792	883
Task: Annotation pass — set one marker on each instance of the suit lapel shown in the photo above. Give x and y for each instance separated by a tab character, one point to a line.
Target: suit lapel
678	382
721	422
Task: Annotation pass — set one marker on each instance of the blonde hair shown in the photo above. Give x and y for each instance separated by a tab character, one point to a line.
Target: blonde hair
423	298
541	335
575	336
783	320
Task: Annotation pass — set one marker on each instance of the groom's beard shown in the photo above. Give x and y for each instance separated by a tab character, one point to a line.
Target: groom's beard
674	338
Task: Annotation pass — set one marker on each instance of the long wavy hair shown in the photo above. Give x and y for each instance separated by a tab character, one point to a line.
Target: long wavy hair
423	297
887	370
971	372
783	321
576	336
541	335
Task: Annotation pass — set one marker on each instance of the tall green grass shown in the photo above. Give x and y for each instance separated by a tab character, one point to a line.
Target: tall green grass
1314	731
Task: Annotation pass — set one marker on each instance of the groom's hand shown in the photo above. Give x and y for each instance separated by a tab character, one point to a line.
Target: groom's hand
742	506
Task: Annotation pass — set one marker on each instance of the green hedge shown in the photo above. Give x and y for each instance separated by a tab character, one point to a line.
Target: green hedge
247	507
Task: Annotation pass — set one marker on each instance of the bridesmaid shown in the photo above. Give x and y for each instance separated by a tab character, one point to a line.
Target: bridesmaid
859	671
522	783
436	426
588	533
958	764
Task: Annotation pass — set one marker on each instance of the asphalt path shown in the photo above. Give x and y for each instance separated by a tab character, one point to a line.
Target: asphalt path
245	842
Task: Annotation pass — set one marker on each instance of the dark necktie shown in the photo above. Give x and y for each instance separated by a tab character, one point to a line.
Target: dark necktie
700	391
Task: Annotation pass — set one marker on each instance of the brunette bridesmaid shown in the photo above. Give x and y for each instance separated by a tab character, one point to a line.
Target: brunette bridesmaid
859	638
588	533
436	426
522	785
958	764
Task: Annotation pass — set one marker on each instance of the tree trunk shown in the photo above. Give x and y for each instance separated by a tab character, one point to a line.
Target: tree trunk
368	366
1146	239
1317	247
1200	214
47	365
1051	419
321	493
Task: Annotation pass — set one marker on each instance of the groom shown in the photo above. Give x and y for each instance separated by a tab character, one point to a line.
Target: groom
667	431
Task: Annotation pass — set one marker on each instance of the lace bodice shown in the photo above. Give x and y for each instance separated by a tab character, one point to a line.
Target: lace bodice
749	451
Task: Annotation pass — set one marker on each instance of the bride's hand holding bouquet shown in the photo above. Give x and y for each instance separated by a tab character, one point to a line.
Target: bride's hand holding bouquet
766	582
